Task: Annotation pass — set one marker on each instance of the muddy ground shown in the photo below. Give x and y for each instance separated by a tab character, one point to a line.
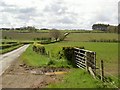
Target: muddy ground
19	75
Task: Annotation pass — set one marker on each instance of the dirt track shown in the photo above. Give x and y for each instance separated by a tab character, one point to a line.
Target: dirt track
20	77
7	58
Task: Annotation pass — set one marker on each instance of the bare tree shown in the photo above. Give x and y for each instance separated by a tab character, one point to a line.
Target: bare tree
56	34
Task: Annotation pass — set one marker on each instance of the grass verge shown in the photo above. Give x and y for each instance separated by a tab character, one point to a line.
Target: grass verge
32	58
10	49
78	78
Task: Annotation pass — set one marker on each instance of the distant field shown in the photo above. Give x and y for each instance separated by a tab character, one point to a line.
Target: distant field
74	36
91	36
23	36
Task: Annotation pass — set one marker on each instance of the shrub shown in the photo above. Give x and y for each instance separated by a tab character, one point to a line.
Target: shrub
68	53
51	62
39	48
5	37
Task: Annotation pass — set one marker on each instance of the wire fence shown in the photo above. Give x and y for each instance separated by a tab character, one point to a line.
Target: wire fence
105	79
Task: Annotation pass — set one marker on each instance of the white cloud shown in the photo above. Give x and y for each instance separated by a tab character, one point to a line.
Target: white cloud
58	13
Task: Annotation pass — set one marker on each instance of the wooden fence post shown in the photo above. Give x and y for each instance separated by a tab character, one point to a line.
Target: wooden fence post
102	71
86	61
95	63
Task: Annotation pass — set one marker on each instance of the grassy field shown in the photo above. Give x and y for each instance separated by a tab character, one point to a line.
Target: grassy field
72	36
91	36
23	36
105	51
108	52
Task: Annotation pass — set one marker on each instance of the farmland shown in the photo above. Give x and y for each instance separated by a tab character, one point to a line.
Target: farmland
72	37
106	51
4	48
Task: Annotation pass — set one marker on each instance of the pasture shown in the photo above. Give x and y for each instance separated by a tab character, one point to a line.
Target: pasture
74	36
81	37
106	51
23	36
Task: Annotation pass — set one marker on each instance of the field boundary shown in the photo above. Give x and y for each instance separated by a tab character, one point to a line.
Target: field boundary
86	60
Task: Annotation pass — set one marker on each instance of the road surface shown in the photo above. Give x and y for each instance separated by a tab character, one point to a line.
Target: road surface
8	58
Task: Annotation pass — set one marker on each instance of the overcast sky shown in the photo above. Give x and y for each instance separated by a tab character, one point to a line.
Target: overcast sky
60	14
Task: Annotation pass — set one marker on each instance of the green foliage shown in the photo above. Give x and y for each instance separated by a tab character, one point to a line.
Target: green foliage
5	37
4	46
56	34
39	48
68	53
51	62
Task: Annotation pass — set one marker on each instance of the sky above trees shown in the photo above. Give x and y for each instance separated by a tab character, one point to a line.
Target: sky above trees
59	14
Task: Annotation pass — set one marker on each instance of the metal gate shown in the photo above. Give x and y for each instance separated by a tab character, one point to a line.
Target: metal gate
85	59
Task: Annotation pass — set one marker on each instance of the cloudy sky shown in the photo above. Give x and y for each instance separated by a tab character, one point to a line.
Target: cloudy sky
60	14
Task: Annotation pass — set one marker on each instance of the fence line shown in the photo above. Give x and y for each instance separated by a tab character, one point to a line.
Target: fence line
86	59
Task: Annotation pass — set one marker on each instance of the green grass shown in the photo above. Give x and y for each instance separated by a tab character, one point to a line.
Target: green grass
108	52
73	36
91	36
23	36
33	59
78	78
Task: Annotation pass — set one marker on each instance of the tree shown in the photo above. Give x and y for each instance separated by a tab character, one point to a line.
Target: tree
31	29
112	29
119	28
102	27
56	34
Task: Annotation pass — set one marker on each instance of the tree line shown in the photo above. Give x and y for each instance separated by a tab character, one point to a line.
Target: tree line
106	28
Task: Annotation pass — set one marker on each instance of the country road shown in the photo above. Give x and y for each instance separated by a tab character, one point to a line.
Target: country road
8	58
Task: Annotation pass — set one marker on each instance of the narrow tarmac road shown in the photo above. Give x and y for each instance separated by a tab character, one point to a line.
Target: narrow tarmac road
8	58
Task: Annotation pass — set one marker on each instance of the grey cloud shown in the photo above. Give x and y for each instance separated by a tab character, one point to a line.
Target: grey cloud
3	4
20	14
56	8
13	9
28	10
17	10
67	20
